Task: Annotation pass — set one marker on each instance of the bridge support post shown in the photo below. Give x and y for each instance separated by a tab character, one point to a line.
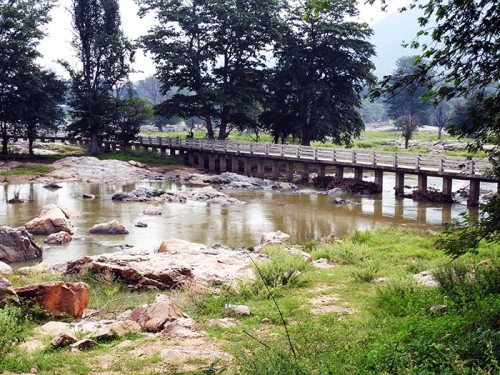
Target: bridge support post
304	174
422	182
260	168
276	169
154	149
191	158
399	184
145	148
358	174
211	163
447	183
379	179
473	200
235	166
321	170
289	171
201	160
223	163
172	152
248	166
163	152
339	172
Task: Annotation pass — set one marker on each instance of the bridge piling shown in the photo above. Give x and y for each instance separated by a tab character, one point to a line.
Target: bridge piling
358	174
304	174
422	182
289	171
223	163
399	184
235	165
379	179
260	168
276	169
248	166
474	190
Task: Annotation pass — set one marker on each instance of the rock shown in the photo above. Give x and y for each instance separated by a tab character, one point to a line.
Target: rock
52	185
439	308
53	328
426	278
5	269
82	345
64	338
274	238
18	245
174	245
322	263
39	269
154	317
141	194
141	224
7	293
136	164
238	310
89	169
52	219
114	329
180	328
88	196
57	297
111	227
58	238
176	263
153	211
223	323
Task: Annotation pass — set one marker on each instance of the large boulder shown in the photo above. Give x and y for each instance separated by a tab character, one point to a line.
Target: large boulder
57	297
154	317
177	262
18	245
5	269
7	293
111	227
52	219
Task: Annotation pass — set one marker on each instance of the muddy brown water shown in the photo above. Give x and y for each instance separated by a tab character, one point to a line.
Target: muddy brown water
306	216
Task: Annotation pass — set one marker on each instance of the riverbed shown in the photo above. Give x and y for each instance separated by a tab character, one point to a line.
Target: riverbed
304	214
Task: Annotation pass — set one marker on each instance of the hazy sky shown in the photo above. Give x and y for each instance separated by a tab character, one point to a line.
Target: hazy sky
56	46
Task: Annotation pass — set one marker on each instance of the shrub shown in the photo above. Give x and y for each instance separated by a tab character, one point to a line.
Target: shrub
13	329
281	269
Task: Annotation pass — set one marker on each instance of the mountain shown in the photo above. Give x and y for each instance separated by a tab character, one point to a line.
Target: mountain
389	34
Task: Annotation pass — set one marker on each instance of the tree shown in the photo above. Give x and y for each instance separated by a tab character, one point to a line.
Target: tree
405	104
21	29
41	96
211	52
104	56
323	63
132	112
442	113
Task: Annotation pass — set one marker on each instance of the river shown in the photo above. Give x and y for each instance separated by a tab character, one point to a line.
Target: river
308	216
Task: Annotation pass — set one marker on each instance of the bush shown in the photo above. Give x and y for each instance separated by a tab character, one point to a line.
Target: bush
13	329
281	269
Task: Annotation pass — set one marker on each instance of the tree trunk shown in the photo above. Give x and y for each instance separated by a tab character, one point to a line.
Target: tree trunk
440	131
210	128
5	140
31	138
94	146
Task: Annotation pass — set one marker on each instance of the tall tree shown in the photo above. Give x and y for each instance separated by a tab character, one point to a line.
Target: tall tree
104	56
406	104
323	63
212	53
21	29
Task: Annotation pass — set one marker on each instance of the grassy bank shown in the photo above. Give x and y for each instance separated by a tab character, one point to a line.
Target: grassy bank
363	313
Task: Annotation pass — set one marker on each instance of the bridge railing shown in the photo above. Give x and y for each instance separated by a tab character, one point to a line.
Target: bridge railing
382	159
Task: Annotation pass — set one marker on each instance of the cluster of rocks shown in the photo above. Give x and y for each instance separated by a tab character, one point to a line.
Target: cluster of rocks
228	181
206	194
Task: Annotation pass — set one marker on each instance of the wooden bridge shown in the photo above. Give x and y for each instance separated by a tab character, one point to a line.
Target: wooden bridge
291	161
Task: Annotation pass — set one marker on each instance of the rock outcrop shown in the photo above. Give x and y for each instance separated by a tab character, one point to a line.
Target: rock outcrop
154	317
18	245
52	219
175	263
111	227
5	269
57	297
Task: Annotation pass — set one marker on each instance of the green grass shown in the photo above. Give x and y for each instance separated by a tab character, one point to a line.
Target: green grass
146	157
340	320
27	170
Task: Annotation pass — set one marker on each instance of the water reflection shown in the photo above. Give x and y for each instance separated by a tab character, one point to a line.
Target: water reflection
303	216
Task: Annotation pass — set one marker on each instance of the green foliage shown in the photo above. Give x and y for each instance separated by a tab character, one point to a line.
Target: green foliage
104	55
13	330
27	170
281	269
